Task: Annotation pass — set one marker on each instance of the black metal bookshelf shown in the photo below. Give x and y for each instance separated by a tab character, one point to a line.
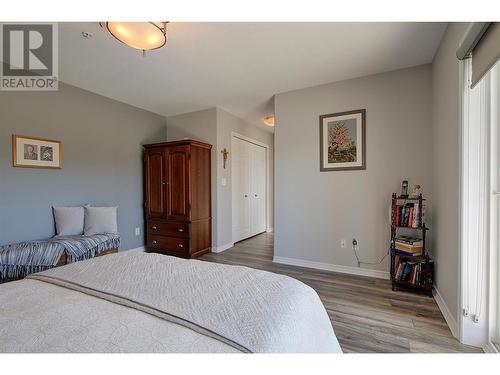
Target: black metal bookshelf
426	283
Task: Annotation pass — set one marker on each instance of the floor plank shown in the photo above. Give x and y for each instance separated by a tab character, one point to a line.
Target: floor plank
367	316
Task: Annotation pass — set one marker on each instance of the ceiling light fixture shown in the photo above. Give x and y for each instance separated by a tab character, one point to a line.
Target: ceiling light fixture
268	120
139	35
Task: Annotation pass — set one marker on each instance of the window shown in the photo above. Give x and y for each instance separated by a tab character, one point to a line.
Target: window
480	200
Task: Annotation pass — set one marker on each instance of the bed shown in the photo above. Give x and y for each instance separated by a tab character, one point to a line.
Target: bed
136	302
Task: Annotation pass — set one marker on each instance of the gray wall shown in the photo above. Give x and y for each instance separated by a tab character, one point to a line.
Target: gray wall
102	160
201	126
215	126
226	125
446	165
315	210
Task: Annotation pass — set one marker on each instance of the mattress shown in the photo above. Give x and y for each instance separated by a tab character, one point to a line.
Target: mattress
150	303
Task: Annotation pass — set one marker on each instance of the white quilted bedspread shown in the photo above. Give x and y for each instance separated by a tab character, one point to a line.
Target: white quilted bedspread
135	302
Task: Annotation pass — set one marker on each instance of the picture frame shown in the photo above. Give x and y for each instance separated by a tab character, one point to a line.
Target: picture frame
35	152
342	138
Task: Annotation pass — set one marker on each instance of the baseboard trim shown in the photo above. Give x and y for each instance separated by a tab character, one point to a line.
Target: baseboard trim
269	230
490	348
220	249
448	316
332	267
140	249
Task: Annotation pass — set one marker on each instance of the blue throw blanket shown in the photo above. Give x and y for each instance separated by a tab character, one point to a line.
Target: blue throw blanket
22	259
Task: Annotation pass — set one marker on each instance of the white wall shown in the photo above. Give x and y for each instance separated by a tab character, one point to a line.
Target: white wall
446	167
315	210
215	126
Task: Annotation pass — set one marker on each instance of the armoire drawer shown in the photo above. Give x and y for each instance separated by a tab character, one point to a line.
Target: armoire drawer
174	244
168	228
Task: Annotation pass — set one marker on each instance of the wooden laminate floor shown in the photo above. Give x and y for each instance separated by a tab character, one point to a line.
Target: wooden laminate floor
366	314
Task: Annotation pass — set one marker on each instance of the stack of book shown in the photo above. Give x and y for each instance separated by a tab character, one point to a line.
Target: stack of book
409	246
407	215
410	272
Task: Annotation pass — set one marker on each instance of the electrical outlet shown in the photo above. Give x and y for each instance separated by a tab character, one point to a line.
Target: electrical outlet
137	231
343	244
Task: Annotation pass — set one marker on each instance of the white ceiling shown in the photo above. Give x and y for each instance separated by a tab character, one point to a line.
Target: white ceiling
238	66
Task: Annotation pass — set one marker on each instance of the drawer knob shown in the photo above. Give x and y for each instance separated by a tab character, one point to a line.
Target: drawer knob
181	245
180	230
154	227
155	242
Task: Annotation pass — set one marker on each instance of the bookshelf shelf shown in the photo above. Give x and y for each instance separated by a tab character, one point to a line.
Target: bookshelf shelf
419	227
400	197
408	271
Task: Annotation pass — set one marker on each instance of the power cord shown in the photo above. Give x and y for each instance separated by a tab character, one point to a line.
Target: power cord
355	246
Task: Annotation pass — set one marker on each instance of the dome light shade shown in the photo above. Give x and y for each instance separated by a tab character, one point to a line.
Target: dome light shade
139	35
268	120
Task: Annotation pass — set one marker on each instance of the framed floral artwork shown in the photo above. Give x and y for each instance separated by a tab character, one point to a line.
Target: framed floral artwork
343	140
33	152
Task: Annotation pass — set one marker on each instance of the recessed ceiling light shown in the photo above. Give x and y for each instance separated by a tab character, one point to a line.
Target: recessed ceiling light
139	35
268	120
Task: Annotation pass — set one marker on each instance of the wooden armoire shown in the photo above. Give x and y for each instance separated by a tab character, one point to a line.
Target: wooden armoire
178	198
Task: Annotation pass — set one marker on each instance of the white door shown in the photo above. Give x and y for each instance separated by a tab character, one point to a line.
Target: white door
258	190
249	180
240	189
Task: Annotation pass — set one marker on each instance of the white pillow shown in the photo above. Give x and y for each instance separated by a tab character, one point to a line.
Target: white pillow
100	220
69	220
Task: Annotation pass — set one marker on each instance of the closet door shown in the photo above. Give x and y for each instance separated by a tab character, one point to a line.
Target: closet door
155	182
178	183
249	181
258	189
241	163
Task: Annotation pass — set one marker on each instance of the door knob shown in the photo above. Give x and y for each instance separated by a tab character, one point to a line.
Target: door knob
155	242
246	195
256	195
154	227
181	245
180	230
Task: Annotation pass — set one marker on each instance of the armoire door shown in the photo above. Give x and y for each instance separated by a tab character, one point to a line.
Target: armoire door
155	182
249	181
178	183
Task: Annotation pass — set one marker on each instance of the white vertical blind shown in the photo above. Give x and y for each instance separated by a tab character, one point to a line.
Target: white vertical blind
475	209
495	208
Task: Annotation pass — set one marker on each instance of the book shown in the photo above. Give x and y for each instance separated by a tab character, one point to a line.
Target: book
407	247
410	218
400	270
415	222
412	273
406	253
406	272
409	240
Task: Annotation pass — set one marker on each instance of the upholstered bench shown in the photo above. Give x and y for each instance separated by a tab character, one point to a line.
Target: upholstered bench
22	259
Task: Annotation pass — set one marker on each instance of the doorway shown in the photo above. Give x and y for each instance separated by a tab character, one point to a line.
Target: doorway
249	170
